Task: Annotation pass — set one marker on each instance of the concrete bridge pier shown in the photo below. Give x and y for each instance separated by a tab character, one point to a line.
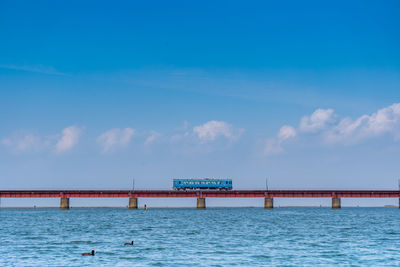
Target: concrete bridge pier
268	203
64	203
336	203
201	203
133	203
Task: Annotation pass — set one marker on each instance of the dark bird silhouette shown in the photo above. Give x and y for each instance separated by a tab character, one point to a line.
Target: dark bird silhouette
129	244
89	254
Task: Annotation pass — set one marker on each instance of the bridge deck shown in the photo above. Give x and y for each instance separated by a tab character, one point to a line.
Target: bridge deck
202	193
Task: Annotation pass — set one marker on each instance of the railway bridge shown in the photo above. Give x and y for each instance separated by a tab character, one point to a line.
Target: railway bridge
201	195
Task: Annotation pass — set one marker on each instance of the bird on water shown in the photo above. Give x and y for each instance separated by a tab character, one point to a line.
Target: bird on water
129	244
89	254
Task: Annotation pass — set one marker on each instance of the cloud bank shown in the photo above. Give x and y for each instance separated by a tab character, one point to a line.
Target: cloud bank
274	145
115	138
69	138
212	130
29	142
336	130
152	137
319	120
384	121
23	142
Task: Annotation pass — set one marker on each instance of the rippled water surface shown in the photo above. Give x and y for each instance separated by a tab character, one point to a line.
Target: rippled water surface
212	237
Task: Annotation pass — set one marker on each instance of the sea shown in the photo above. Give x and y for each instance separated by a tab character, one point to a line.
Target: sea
211	237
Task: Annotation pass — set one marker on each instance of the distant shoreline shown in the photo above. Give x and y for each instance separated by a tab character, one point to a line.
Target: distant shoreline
250	207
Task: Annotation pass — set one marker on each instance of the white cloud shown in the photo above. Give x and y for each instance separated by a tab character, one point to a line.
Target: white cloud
211	130
274	145
152	137
69	138
286	132
319	120
384	121
335	130
23	142
115	138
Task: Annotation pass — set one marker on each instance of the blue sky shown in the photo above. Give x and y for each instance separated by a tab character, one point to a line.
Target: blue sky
95	93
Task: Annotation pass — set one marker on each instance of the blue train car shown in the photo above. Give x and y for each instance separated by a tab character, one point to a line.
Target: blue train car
197	184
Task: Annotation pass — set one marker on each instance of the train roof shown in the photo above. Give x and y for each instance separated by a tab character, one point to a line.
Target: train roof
206	179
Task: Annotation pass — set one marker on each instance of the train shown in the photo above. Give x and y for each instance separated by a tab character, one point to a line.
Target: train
202	184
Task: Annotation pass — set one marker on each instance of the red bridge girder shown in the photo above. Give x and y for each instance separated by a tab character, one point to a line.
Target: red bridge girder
204	193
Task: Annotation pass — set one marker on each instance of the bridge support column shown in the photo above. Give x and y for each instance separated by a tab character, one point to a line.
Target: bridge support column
64	203
268	203
336	203
201	203
133	203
